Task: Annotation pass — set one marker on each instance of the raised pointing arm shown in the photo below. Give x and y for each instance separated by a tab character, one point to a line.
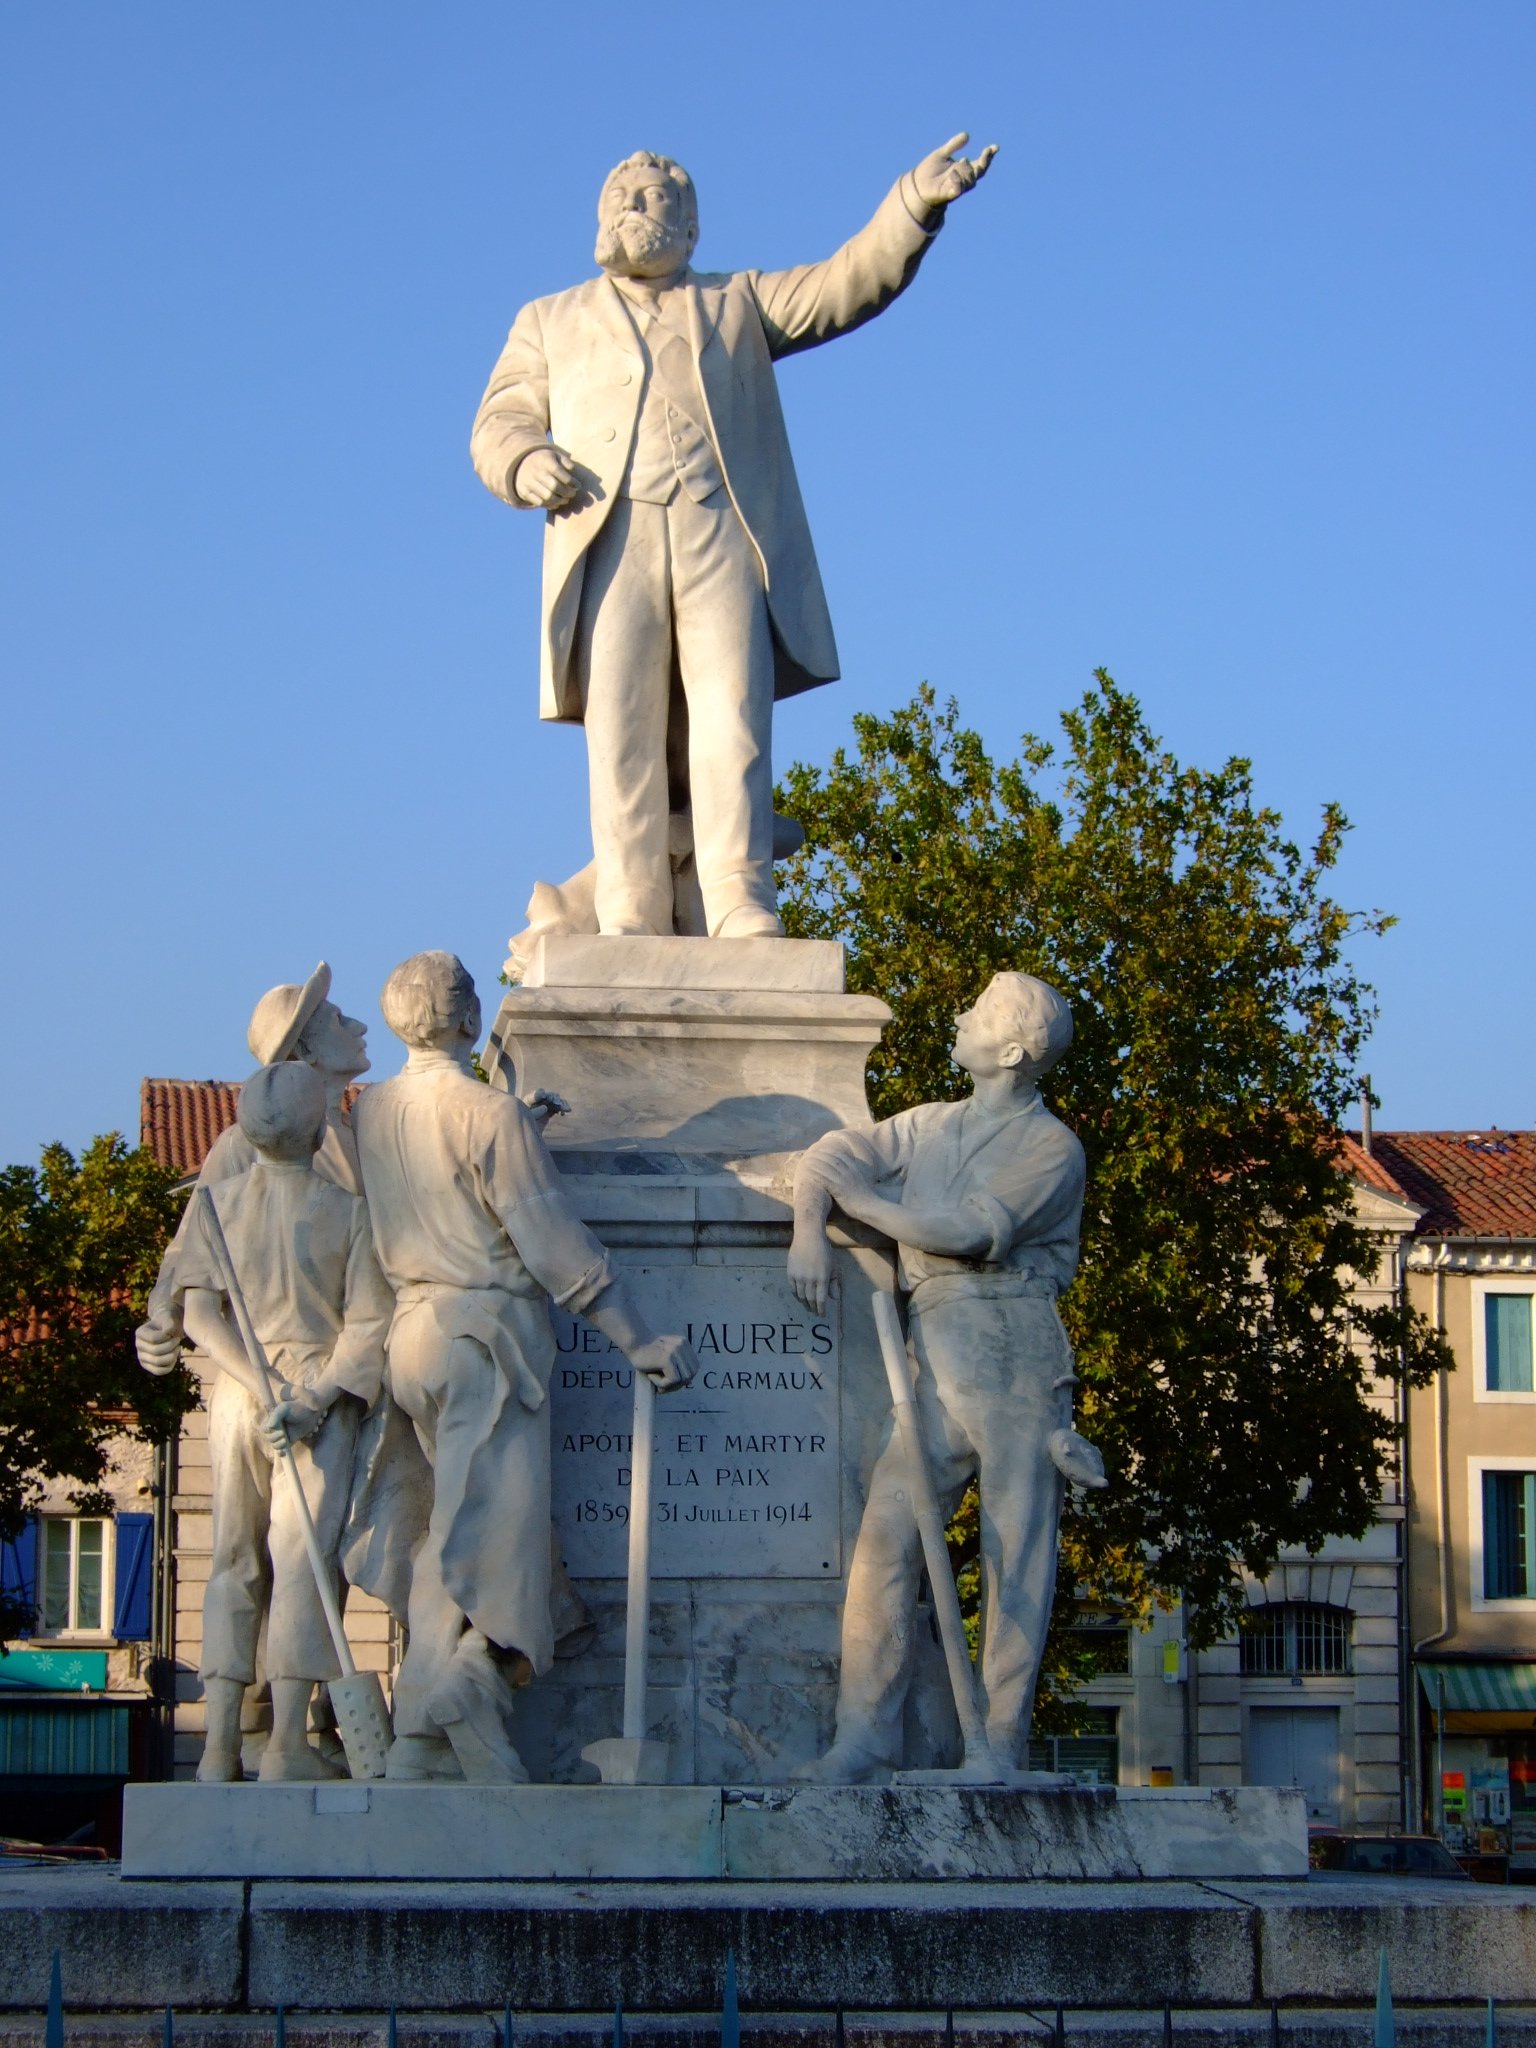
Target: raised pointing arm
816	302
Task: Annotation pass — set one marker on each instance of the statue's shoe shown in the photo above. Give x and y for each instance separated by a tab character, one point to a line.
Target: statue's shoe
331	1747
296	1766
422	1760
220	1767
750	922
845	1763
469	1703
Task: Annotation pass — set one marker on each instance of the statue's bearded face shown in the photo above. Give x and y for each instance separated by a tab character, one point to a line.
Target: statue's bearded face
646	225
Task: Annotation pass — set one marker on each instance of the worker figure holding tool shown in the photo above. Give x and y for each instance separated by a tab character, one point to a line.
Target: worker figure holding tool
477	1234
983	1199
276	1280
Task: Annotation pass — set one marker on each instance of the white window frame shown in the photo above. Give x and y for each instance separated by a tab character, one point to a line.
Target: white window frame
47	1524
1512	1283
1476	1467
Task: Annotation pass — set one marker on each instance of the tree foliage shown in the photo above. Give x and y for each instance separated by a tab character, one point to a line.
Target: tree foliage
80	1243
1225	1373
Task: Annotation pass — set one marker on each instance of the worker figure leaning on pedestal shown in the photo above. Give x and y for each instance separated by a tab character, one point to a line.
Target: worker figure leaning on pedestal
477	1235
303	1260
983	1200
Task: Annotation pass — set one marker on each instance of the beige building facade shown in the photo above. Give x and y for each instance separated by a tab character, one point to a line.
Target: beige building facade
1310	1692
1471	1461
84	1687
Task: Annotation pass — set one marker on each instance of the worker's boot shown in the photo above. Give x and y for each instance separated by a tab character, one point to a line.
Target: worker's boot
472	1704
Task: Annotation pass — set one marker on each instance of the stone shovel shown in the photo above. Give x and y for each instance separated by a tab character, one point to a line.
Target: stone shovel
633	1758
362	1718
981	1764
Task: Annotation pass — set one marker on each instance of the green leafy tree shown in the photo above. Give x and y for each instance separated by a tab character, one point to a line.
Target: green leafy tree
80	1243
1226	1374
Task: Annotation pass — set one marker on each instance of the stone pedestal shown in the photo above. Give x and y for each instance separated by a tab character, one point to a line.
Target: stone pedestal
860	1835
727	1054
691	1101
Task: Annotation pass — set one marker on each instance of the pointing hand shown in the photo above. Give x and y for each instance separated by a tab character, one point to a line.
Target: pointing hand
943	176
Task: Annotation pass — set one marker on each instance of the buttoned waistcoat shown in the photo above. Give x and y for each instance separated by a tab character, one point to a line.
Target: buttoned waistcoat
572	372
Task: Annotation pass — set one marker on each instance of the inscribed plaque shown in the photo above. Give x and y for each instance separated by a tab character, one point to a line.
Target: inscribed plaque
746	1464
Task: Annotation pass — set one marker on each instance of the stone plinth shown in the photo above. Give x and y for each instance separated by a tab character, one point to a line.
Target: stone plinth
737	1053
857	1834
791	966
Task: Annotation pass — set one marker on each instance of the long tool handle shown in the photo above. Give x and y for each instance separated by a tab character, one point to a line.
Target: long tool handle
930	1527
637	1613
258	1358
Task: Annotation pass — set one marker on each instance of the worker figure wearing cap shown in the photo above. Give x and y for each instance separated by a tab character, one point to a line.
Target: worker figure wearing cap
295	1021
320	1307
476	1233
983	1200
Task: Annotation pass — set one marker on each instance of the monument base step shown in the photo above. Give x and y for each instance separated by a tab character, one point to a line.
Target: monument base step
906	1953
857	1833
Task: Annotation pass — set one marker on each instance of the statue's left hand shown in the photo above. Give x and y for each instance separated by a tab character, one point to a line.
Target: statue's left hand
810	1269
943	176
294	1419
543	1103
159	1348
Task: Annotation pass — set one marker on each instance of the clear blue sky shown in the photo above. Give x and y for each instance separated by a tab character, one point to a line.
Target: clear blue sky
1222	380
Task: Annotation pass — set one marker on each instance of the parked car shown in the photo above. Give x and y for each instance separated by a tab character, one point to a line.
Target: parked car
1383	1856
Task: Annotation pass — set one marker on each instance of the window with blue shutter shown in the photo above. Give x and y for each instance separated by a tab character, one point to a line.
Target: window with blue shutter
1507	1343
18	1573
135	1578
1509	1535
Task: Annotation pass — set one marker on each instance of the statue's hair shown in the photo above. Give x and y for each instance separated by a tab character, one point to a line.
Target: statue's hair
1037	1016
646	160
427	998
282	1109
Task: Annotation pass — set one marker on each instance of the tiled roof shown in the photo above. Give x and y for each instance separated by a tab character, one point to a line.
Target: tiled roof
179	1120
1469	1183
1368	1167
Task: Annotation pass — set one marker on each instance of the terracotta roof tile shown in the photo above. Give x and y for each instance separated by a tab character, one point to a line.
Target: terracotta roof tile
1469	1183
179	1120
1368	1167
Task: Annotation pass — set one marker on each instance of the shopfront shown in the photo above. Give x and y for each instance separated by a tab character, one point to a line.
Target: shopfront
1479	1763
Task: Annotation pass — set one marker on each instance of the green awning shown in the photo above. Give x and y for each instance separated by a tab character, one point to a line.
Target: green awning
1480	1688
55	1670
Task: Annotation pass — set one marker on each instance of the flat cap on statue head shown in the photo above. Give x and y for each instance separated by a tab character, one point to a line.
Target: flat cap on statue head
282	1109
1038	1015
278	1020
430	999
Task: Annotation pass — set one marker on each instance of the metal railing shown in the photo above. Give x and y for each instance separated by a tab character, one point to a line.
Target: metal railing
1384	2030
